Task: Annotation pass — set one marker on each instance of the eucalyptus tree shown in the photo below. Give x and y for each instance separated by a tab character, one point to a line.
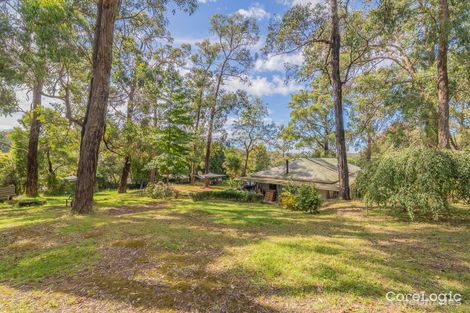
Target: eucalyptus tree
94	122
442	75
416	37
251	128
59	140
200	80
39	35
312	119
235	35
460	101
285	140
314	31
371	112
165	61
407	40
8	74
137	35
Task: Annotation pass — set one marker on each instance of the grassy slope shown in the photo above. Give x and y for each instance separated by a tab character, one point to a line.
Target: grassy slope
136	253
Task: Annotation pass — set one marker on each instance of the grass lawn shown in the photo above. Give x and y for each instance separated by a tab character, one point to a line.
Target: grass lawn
136	254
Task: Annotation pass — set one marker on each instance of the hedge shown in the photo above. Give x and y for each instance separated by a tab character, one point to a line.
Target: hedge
234	195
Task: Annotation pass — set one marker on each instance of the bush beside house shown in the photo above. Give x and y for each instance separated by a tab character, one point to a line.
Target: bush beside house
301	197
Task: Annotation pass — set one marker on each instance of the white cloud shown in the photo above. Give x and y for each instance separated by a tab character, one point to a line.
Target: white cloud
255	11
206	1
188	40
301	2
278	62
261	86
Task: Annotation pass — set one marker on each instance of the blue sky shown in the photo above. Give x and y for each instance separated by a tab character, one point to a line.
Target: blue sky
267	77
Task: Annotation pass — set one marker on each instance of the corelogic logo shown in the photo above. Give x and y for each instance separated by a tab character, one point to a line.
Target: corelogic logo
422	298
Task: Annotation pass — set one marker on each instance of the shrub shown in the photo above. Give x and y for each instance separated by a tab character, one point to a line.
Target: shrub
301	197
462	184
288	201
234	195
308	198
417	180
161	190
234	184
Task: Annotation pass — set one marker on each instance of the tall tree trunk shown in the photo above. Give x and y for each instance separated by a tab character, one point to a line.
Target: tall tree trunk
211	122
369	147
94	123
443	80
196	128
152	175
51	180
341	153
245	166
32	166
127	159
125	175
326	145
209	145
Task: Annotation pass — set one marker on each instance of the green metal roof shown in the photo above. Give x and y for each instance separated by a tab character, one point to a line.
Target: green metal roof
322	171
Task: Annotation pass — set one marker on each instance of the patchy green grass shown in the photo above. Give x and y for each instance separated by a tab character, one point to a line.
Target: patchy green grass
37	265
137	254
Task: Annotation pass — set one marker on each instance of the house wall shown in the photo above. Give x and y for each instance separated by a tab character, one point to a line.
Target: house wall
325	194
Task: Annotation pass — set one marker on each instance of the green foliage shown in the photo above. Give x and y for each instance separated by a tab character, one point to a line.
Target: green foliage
232	164
8	174
234	184
462	184
288	201
19	138
262	160
301	197
234	195
251	128
217	160
308	198
8	101
161	190
418	180
312	121
173	138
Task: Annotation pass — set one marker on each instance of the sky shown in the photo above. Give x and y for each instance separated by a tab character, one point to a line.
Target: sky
267	78
268	75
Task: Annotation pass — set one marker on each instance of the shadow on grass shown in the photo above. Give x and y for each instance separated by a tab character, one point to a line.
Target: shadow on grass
224	256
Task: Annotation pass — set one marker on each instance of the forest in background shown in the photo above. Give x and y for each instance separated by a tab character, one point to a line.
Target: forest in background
129	105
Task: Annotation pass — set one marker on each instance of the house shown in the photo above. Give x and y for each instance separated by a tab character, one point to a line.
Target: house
323	172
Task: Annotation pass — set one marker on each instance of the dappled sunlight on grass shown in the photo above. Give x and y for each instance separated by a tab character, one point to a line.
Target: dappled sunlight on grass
34	266
140	254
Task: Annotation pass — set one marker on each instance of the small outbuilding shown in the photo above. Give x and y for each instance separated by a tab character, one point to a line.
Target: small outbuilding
211	177
323	172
